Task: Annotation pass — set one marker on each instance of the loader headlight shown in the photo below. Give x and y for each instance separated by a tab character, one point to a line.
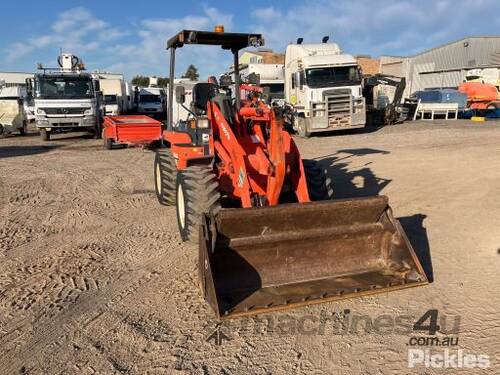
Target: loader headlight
202	123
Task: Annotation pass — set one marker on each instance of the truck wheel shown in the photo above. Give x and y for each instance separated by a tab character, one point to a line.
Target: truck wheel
24	129
165	173
108	143
302	128
197	192
45	135
319	184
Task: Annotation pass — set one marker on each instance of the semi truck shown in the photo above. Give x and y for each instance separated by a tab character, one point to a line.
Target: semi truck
323	86
66	98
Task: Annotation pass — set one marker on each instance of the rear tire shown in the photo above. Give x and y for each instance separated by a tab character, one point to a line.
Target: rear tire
45	135
197	192
165	174
319	184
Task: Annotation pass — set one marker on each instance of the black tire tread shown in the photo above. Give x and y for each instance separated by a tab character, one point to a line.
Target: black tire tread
168	172
201	195
319	184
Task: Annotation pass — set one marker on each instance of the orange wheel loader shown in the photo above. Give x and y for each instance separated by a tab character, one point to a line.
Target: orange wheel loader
268	233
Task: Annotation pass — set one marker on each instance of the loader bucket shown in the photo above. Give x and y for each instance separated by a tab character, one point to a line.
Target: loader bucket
255	260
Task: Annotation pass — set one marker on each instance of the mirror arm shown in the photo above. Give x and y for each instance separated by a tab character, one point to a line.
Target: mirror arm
187	109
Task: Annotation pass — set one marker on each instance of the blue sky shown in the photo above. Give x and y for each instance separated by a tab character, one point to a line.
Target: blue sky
129	36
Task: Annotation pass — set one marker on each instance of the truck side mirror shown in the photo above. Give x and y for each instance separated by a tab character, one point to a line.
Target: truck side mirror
180	94
20	101
298	80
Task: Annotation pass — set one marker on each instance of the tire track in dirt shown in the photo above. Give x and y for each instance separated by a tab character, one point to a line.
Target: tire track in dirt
77	316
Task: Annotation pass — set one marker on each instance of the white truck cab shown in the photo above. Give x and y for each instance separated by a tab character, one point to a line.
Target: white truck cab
65	98
323	85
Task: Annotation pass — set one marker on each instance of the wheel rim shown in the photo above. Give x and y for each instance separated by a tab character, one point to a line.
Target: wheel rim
181	209
158	178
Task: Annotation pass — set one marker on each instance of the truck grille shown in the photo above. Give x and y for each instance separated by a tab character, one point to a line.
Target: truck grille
65	111
339	105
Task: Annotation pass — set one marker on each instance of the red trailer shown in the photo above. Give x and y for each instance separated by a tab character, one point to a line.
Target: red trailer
130	130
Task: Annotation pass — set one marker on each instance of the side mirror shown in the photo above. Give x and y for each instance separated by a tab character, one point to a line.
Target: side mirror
180	94
20	101
301	79
97	85
254	79
297	80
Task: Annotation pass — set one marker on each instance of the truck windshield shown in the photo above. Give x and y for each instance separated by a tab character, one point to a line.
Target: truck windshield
276	90
149	98
64	87
110	99
332	76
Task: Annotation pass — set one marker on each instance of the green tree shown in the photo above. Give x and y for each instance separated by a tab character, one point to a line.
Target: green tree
140	81
163	81
191	73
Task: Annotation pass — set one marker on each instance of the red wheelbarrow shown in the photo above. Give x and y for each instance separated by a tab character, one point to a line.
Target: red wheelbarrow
130	130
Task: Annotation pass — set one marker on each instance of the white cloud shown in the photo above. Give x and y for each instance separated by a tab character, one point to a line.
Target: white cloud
149	55
75	30
365	26
376	26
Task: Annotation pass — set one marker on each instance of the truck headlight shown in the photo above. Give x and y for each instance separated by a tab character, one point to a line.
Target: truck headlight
202	123
40	112
88	111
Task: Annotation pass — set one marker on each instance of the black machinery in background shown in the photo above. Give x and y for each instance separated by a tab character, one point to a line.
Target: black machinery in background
394	112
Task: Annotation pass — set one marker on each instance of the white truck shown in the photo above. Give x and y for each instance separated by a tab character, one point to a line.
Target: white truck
489	75
323	86
65	98
12	116
115	96
152	101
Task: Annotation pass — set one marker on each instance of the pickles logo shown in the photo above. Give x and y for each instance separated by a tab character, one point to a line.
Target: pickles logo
446	359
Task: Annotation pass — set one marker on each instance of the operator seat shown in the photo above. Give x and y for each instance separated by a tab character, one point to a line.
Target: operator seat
202	92
226	107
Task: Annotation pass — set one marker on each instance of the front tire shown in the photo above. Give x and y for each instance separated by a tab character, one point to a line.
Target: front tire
165	174
197	192
45	135
319	185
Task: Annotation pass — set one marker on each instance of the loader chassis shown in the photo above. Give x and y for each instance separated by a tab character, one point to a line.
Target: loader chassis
245	196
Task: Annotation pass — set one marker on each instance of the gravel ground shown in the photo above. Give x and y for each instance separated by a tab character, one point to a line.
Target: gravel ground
94	277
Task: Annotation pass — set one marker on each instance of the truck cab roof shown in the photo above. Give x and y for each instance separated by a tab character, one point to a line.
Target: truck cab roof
317	55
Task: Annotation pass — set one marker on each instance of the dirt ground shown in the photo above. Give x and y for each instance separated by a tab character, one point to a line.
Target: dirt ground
94	277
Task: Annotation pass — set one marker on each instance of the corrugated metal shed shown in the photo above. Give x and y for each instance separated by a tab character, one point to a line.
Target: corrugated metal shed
444	66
